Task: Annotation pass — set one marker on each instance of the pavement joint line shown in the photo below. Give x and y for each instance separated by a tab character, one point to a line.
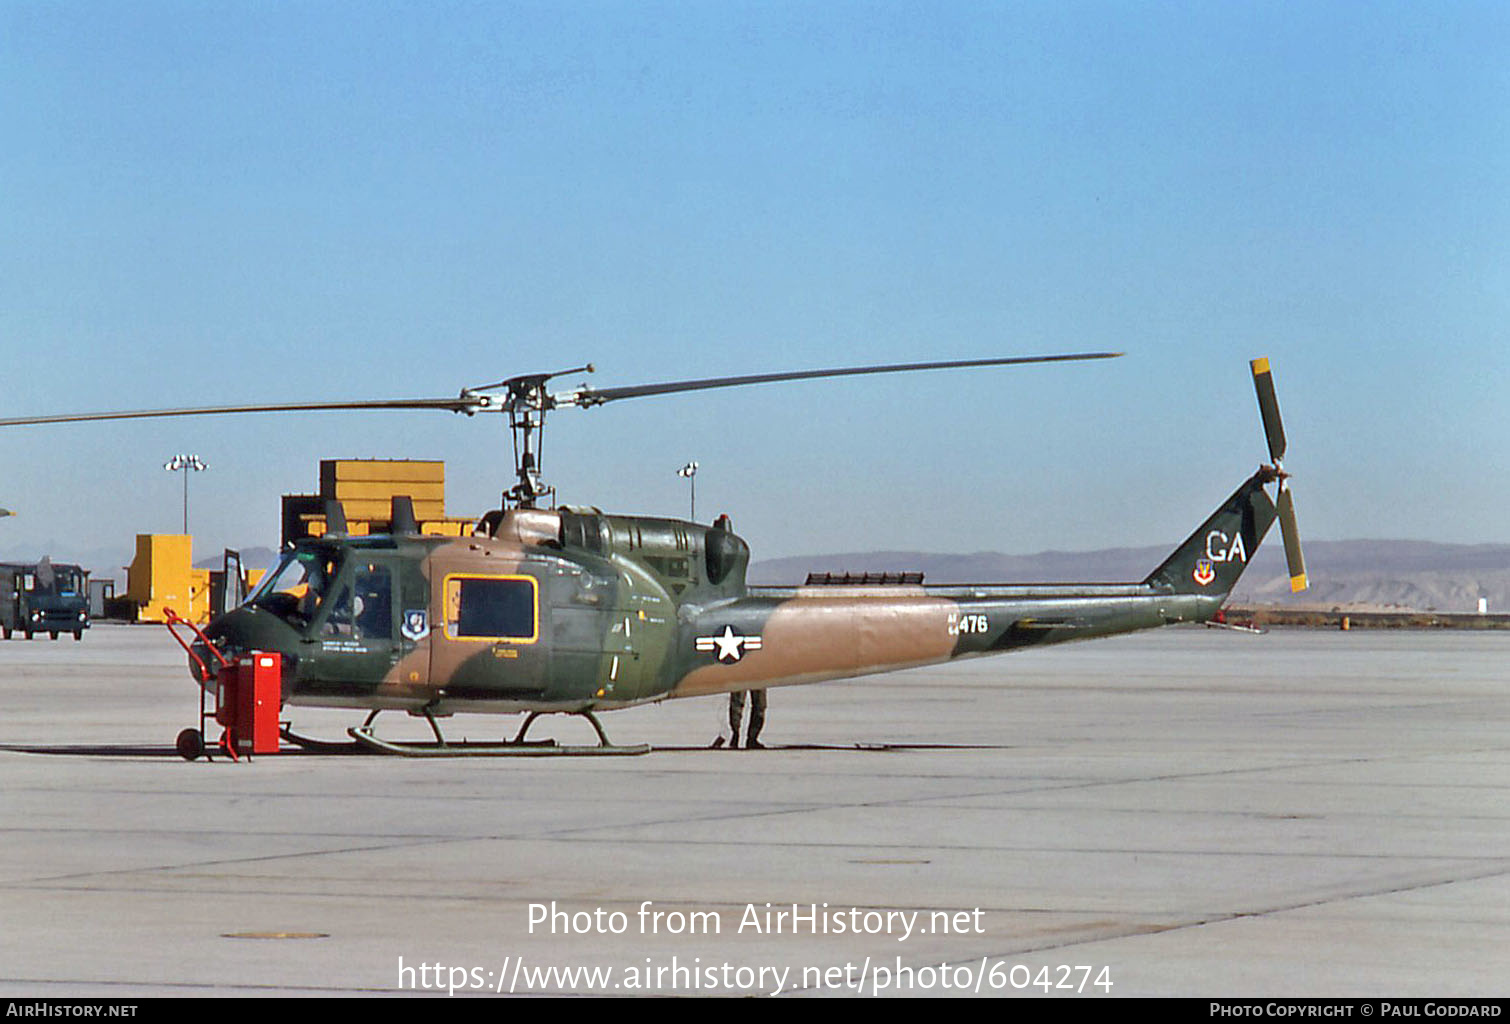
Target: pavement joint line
1117	934
903	801
1053	782
194	986
864	805
52	884
1137	932
161	868
369	889
827	808
1265	815
1499	870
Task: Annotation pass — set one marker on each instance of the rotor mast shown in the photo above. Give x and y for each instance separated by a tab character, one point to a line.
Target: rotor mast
527	403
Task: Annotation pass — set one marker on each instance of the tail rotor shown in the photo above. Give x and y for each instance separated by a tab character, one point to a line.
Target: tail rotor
1274	430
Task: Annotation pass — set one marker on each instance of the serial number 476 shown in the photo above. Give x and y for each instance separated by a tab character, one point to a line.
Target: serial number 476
968	623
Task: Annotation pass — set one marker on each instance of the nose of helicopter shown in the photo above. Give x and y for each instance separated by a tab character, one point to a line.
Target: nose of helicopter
235	633
207	653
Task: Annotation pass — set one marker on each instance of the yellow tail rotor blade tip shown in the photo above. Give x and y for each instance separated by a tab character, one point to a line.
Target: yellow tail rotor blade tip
1260	366
1298	583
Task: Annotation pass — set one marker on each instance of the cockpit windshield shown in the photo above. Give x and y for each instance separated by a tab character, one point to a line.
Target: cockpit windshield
298	586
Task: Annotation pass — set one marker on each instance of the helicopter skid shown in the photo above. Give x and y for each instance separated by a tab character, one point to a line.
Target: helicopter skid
1236	627
317	746
508	748
517	747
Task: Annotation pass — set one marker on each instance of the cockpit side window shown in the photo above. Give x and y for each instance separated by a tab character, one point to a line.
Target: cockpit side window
360	604
373	603
297	589
338	617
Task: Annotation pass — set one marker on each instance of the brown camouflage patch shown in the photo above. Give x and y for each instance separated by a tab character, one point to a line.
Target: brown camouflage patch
808	639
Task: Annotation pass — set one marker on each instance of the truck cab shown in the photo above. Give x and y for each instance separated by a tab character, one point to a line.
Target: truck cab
43	597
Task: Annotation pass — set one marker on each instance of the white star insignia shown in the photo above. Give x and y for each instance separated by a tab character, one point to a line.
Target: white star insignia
730	645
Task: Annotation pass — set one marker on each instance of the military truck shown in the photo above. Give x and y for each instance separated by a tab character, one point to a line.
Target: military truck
43	597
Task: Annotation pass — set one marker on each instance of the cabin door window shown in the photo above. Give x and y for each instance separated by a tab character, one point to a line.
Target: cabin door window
493	608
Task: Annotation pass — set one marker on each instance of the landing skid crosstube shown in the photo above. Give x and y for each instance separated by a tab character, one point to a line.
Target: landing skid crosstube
517	747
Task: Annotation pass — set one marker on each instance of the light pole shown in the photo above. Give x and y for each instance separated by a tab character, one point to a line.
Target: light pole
185	463
690	472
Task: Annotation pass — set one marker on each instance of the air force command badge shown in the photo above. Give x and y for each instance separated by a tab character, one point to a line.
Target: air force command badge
1205	571
416	625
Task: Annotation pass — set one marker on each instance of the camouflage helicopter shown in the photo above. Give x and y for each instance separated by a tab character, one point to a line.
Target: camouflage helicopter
569	610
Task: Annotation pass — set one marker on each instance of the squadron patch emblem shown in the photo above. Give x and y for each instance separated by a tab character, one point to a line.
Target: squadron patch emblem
416	625
1205	572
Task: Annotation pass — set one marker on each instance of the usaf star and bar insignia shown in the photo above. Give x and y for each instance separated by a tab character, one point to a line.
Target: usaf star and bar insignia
731	646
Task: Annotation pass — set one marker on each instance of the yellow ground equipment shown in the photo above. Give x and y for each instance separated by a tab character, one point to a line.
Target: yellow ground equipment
162	579
366	489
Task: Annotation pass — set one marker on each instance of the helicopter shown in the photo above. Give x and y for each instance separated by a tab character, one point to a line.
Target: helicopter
550	608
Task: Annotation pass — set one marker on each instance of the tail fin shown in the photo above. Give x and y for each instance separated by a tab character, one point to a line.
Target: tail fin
1214	556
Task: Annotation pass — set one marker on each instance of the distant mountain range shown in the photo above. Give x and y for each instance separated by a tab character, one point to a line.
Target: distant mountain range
1350	574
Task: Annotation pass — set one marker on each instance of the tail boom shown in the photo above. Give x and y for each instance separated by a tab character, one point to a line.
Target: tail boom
791	635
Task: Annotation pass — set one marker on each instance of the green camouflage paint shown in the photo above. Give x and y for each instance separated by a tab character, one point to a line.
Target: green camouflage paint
618	610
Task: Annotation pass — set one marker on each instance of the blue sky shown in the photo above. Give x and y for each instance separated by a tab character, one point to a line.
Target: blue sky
210	203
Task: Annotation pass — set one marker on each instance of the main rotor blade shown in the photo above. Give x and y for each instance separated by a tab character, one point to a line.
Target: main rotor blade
471	402
594	396
451	404
1268	407
1291	533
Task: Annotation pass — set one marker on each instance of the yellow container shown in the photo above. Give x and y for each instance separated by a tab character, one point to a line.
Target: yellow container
408	471
162	577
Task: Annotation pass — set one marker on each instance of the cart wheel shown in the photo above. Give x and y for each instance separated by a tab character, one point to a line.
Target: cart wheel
190	744
6	631
52	634
28	634
78	634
